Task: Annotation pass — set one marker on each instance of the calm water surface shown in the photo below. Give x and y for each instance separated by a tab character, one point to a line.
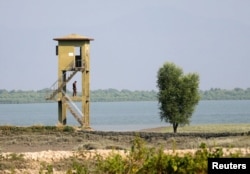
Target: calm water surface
124	116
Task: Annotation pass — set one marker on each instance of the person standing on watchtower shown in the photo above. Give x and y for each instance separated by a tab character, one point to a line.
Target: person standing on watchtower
74	89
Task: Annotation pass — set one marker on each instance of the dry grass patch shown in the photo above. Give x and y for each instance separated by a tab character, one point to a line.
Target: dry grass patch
205	128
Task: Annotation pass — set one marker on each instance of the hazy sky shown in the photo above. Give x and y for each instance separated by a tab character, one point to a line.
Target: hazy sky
133	39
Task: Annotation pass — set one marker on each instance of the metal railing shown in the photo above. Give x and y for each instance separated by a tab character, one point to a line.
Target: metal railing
76	112
54	89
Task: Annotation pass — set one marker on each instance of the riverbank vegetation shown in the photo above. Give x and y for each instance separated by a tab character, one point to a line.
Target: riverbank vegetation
140	158
145	151
113	95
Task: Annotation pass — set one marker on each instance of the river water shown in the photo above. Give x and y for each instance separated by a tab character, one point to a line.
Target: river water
125	116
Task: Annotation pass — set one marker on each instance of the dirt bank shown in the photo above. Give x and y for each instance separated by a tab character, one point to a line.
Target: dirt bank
40	139
34	149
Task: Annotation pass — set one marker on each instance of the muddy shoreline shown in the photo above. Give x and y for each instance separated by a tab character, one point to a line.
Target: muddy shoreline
18	140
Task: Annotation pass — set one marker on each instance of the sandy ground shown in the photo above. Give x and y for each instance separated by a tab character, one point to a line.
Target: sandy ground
52	156
49	157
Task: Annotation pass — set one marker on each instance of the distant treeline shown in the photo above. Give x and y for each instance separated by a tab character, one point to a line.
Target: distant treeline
111	95
223	94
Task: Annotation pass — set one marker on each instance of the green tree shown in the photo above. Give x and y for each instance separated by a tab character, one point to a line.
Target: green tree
178	94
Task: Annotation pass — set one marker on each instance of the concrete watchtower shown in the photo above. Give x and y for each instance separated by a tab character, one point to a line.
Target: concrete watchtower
73	57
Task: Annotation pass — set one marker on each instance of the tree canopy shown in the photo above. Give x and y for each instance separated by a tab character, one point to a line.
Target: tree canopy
178	94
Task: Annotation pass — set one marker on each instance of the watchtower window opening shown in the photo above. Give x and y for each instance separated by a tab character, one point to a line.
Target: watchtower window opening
57	50
78	57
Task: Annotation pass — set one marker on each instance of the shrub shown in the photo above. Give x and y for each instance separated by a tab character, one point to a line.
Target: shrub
68	129
140	159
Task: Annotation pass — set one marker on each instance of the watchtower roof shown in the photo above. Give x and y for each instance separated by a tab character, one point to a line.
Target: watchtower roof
72	37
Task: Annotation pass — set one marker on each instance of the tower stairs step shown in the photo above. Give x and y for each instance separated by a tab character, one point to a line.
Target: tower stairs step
78	115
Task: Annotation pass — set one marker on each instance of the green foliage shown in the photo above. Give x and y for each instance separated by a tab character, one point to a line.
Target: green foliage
114	163
15	157
77	167
143	160
46	168
123	95
37	128
106	95
139	160
178	94
222	94
68	129
112	95
19	96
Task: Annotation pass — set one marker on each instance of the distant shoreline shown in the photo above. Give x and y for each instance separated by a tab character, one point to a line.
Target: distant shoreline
113	95
197	128
203	128
44	102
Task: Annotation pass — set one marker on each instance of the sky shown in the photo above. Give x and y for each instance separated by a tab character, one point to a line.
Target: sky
132	40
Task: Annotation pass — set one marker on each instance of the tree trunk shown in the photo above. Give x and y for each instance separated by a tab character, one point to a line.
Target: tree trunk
175	125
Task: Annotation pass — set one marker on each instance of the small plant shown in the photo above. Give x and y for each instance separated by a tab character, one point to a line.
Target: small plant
114	163
173	145
77	167
15	157
46	168
11	161
68	129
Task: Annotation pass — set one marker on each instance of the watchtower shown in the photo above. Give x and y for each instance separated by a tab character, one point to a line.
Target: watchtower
73	57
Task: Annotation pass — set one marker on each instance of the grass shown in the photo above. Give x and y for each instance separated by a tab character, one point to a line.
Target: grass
206	128
200	128
37	128
43	137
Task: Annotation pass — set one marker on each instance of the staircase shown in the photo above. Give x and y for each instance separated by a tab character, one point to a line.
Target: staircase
55	88
58	87
73	109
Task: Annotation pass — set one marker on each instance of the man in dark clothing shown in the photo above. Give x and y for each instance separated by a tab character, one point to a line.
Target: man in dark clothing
74	89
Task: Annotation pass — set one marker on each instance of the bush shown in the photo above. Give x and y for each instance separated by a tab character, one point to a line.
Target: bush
140	159
143	160
68	129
